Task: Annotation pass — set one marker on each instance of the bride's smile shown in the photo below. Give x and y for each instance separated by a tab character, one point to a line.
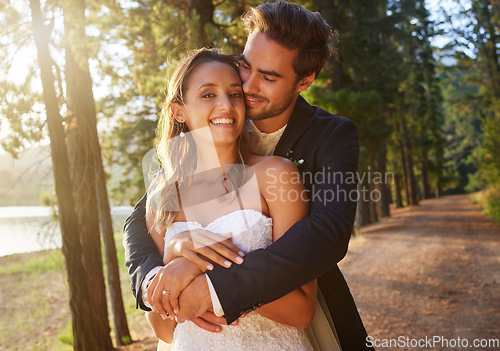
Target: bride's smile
214	99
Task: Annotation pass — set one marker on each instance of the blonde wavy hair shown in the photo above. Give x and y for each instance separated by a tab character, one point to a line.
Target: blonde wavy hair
177	155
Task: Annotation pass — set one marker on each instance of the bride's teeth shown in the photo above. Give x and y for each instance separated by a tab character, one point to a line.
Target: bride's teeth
223	121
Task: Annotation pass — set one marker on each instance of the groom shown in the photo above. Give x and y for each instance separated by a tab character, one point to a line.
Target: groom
286	49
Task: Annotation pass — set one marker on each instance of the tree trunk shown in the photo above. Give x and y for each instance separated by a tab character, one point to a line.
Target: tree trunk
381	186
438	191
439	170
122	333
86	337
404	175
374	215
205	10
389	192
363	208
331	12
397	189
425	179
82	148
410	174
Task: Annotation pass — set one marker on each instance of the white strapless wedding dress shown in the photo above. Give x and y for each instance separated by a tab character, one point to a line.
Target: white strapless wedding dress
251	231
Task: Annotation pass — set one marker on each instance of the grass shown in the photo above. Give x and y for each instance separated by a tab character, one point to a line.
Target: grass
44	262
66	336
37	316
489	201
32	311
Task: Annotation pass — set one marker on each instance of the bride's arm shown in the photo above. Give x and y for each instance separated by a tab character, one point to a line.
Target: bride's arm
163	329
182	265
286	198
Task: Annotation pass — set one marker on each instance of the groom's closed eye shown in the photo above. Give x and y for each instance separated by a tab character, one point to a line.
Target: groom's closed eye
244	65
268	76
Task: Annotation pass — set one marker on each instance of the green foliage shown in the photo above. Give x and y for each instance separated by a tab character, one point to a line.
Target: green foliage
44	262
387	73
364	108
21	112
493	206
462	124
126	340
49	198
488	154
66	335
472	92
489	200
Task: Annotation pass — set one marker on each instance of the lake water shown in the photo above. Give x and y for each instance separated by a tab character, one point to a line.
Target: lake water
29	228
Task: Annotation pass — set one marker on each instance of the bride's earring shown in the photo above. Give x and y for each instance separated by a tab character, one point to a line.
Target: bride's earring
182	134
178	114
181	126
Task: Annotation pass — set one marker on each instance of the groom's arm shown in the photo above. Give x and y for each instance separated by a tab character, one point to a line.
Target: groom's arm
141	254
312	246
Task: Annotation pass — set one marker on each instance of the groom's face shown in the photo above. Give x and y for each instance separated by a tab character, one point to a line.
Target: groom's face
269	79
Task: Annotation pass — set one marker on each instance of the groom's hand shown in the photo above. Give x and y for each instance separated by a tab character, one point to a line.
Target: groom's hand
194	300
210	322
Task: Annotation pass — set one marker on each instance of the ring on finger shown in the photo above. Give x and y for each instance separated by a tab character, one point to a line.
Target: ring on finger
165	292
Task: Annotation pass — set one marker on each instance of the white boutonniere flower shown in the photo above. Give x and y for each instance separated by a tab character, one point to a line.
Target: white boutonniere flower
298	163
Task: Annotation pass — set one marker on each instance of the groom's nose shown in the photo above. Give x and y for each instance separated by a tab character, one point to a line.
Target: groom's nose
250	84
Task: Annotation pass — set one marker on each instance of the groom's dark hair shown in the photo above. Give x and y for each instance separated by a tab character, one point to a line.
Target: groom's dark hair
295	28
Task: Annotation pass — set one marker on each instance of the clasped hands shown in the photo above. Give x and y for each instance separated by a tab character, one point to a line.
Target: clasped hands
179	290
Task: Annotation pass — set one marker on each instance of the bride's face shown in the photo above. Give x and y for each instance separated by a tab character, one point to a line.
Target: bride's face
214	99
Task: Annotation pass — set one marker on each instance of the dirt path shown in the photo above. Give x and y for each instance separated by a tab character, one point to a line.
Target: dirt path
428	271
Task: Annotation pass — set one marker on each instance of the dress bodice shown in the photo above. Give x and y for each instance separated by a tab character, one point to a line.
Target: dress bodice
251	231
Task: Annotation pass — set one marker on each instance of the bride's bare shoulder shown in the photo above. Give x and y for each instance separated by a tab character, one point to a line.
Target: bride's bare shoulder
270	166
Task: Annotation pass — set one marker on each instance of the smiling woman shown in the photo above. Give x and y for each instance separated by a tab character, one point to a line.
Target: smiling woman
214	99
204	93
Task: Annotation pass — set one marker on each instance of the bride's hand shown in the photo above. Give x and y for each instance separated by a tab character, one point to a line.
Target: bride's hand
172	279
203	248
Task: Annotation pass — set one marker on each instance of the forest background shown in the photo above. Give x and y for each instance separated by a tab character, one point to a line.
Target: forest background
427	114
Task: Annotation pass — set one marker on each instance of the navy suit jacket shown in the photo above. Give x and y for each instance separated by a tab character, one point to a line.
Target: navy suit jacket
310	249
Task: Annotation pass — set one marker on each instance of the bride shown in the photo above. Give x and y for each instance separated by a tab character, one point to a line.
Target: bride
220	202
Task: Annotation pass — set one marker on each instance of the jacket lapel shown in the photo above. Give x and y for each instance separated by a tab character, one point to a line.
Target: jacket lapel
301	118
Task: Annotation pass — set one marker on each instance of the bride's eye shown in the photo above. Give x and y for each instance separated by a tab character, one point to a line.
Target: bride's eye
208	95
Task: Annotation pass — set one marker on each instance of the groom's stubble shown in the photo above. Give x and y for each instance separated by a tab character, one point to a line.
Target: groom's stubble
269	111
